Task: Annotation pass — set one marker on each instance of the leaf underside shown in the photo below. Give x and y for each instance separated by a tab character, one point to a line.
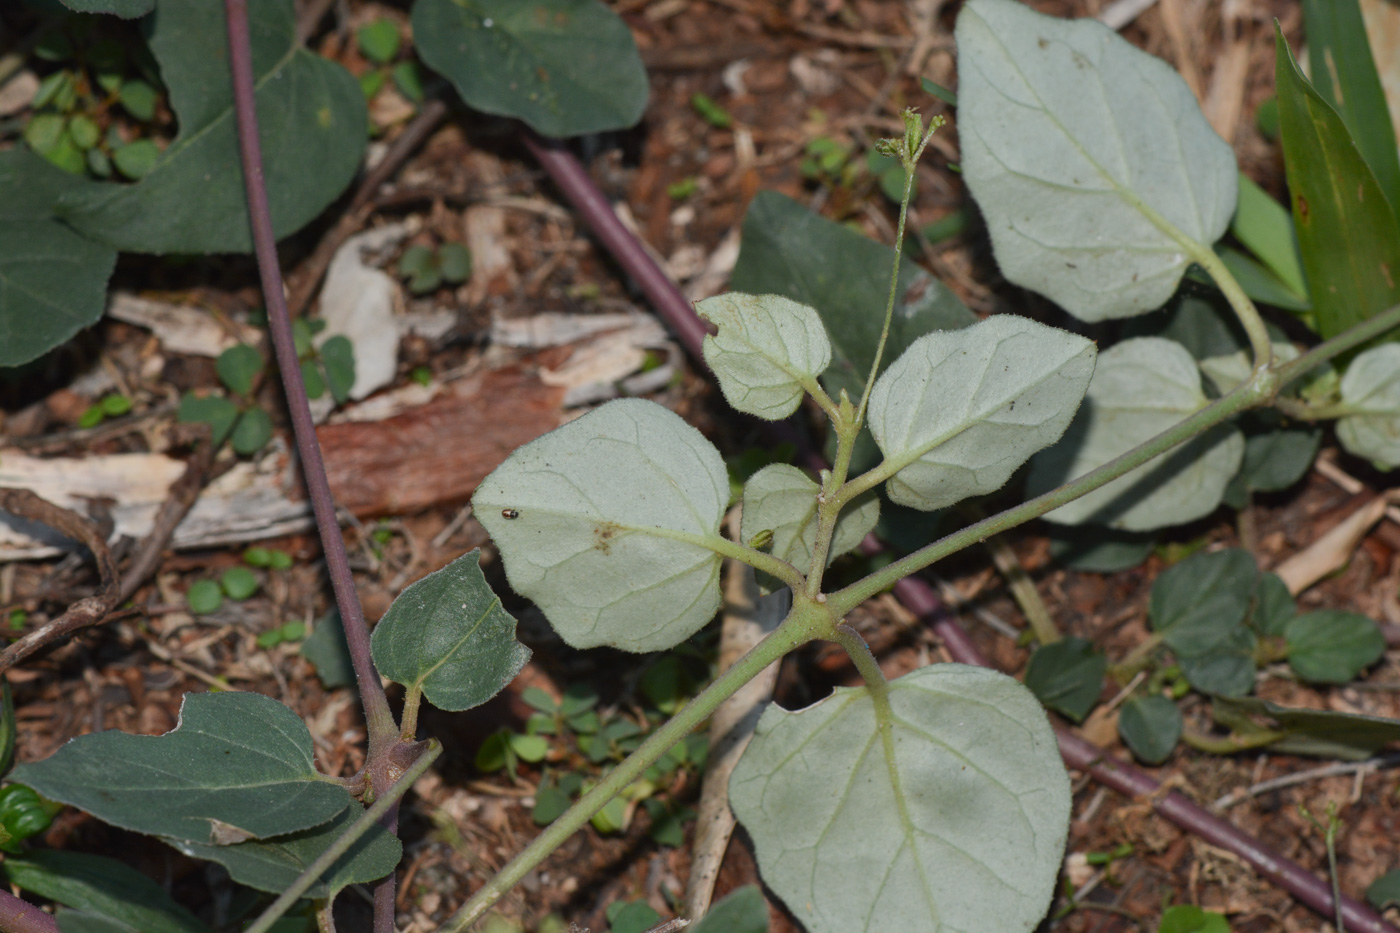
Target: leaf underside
1372	385
766	348
782	499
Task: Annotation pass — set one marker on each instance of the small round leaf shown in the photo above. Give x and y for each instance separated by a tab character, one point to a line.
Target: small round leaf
1151	727
1332	646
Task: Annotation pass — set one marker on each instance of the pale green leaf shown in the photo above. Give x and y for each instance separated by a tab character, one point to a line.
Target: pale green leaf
608	524
767	349
960	411
273	864
1229	371
1089	158
448	636
1371	386
1140	388
948	812
106	886
782	499
238	766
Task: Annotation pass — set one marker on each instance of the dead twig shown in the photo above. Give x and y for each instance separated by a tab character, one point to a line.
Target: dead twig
177	505
85	612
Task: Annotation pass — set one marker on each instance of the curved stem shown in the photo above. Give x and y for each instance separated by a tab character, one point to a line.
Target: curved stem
1245	310
1353	337
864	661
347	839
805	622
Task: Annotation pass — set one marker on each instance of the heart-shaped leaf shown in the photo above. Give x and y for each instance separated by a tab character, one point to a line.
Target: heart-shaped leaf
768	350
566	67
238	766
312	126
448	636
609	523
1151	727
1371	388
1089	158
961	410
781	499
1141	387
945	809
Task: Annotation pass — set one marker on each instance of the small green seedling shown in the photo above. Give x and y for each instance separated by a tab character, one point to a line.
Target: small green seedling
286	633
505	749
109	406
711	112
426	268
380	42
267	558
1188	918
206	596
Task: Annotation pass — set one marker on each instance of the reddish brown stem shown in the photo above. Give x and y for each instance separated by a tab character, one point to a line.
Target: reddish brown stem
19	916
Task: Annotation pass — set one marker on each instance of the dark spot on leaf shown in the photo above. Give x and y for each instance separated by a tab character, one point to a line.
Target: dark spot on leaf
1301	205
603	534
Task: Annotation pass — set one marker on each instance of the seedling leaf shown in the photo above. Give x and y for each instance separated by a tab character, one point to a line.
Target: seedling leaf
1150	727
1089	158
960	812
1067	676
767	349
102	885
1371	385
448	636
960	411
781	499
1188	918
273	864
605	524
53	282
1198	602
1140	388
313	131
238	766
565	67
1273	605
1331	646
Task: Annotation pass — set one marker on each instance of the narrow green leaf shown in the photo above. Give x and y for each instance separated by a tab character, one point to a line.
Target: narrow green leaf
273	864
448	636
1331	646
781	499
1067	676
1089	158
960	411
1150	727
312	126
238	765
1266	228
767	349
105	886
1344	74
1371	387
606	524
53	282
1141	387
565	67
1347	227
1321	733
953	796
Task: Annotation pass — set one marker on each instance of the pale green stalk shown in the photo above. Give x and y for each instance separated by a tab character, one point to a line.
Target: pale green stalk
345	840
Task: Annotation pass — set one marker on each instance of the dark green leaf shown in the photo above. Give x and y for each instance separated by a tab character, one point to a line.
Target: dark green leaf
565	67
1227	668
1098	550
328	653
1273	605
1187	918
1067	676
338	356
273	864
74	921
742	911
1339	49
311	379
1200	602
710	111
251	432
1385	890
204	597
1347	228
947	95
1276	457
7	725
126	9
219	413
53	282
1331	646
378	41
635	917
238	765
1266	228
1150	726
408	78
139	99
238	366
550	804
448	636
1204	327
105	886
1321	733
313	131
455	261
136	159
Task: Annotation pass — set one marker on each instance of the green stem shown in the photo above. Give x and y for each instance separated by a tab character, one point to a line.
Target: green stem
1136	660
1352	338
1230	744
412	699
346	839
1302	411
1244	309
814	388
740	552
806	621
1247	395
865	663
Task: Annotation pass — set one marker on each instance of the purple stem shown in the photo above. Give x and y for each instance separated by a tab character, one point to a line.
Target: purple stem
20	916
919	597
379	720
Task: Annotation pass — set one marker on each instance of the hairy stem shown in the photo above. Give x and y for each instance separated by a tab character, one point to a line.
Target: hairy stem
805	622
1245	311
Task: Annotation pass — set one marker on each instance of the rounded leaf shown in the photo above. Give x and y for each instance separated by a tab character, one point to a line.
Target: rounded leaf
1372	385
1141	387
565	67
781	499
1331	646
1078	148
1151	727
961	410
606	524
767	348
948	811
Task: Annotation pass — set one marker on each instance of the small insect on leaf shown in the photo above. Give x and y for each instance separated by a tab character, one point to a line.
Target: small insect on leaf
510	513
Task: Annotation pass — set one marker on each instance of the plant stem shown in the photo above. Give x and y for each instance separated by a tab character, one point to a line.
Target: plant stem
805	622
346	839
865	662
20	916
1230	744
1349	339
1247	395
1245	311
379	719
